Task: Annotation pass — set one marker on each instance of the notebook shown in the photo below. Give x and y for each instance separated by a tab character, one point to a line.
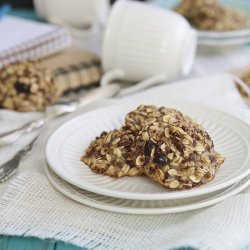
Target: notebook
25	39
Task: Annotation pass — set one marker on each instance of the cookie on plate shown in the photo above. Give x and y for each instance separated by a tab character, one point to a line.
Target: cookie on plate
109	154
211	15
26	86
171	148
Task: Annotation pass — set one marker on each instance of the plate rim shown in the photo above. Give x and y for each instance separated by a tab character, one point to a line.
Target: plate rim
148	211
136	196
223	34
224	42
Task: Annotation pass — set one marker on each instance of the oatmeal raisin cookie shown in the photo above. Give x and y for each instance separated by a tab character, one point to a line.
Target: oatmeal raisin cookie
109	154
176	151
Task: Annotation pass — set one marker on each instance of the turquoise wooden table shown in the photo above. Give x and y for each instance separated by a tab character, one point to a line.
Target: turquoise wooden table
30	243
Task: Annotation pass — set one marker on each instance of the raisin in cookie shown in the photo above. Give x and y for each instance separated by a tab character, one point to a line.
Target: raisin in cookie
176	151
26	86
109	154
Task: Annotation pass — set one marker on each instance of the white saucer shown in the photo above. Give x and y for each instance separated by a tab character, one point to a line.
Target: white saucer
63	151
142	207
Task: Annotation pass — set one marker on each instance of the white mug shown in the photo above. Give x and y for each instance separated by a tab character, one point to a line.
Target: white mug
145	43
73	13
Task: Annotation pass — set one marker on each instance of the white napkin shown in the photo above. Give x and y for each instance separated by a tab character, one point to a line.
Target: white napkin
30	206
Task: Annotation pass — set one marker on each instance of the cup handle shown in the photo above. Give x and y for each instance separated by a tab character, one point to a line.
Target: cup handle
110	76
154	80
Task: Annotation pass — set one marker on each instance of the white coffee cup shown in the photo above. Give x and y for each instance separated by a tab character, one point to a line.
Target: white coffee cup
73	13
145	43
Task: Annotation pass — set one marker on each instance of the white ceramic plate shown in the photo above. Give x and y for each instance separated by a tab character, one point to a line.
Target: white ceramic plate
63	151
218	38
142	207
223	42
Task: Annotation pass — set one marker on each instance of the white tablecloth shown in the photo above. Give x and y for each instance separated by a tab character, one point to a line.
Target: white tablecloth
30	206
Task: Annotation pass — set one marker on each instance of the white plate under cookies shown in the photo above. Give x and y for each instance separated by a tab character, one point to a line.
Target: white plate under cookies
143	207
67	144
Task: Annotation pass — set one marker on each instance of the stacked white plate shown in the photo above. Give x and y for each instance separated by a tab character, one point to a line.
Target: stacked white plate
218	38
140	195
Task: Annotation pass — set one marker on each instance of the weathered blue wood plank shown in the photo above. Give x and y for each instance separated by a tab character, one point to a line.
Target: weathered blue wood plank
31	243
64	246
25	243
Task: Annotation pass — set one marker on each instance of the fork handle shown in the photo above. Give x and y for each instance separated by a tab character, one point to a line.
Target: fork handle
16	134
9	169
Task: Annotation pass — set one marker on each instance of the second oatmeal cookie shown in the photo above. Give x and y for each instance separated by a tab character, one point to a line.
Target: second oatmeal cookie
176	151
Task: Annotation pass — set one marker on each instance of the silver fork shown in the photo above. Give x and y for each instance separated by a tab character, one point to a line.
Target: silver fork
58	110
9	168
50	113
